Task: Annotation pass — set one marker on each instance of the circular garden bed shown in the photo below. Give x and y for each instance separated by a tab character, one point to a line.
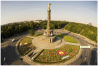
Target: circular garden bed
63	53
25	46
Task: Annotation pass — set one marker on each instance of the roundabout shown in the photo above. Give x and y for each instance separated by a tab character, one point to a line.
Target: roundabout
76	60
51	53
57	49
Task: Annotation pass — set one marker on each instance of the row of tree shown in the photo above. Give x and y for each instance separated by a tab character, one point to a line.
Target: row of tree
53	24
83	29
15	28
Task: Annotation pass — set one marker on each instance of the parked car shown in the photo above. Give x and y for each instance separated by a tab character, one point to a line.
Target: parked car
21	59
81	57
4	59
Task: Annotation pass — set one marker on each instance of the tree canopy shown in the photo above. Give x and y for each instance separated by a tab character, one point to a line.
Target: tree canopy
83	29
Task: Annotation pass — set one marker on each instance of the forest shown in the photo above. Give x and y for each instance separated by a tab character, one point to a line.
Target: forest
83	29
15	28
53	24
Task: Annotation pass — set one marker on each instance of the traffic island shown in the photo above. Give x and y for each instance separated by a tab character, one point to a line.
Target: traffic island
50	56
25	46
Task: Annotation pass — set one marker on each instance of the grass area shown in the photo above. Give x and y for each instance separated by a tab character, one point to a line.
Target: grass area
39	34
49	56
26	39
67	38
24	49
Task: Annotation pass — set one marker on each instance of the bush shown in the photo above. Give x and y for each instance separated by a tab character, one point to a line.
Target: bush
70	50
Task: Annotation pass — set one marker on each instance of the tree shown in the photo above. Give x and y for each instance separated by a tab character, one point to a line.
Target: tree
32	32
85	30
31	24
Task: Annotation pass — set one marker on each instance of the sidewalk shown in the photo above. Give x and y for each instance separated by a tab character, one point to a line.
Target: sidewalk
76	44
28	59
30	36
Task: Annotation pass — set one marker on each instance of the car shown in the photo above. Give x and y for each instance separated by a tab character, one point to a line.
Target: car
21	59
13	40
81	57
95	48
85	57
4	59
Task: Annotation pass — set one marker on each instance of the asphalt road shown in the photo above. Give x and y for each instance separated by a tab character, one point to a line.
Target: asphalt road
88	56
8	51
13	59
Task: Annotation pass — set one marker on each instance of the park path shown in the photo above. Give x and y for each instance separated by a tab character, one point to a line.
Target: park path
30	36
70	43
28	59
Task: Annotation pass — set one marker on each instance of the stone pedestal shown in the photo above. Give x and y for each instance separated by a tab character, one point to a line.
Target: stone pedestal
48	39
48	33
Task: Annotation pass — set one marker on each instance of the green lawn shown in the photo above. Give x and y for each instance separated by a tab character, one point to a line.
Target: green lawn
39	34
67	38
24	49
50	56
26	39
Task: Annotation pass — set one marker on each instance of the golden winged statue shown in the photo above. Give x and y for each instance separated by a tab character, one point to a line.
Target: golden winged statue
49	5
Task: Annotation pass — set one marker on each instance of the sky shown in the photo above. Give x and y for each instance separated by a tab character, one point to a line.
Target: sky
74	11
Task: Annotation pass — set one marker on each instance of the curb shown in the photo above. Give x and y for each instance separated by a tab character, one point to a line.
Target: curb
74	58
17	52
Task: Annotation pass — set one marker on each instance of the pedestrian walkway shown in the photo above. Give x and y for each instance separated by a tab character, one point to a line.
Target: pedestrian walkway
30	36
29	60
44	45
76	44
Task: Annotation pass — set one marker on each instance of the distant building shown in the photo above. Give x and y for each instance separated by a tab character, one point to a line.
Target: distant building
38	21
90	24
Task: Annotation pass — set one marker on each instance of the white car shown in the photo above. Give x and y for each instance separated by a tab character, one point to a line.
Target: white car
85	57
4	59
13	40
